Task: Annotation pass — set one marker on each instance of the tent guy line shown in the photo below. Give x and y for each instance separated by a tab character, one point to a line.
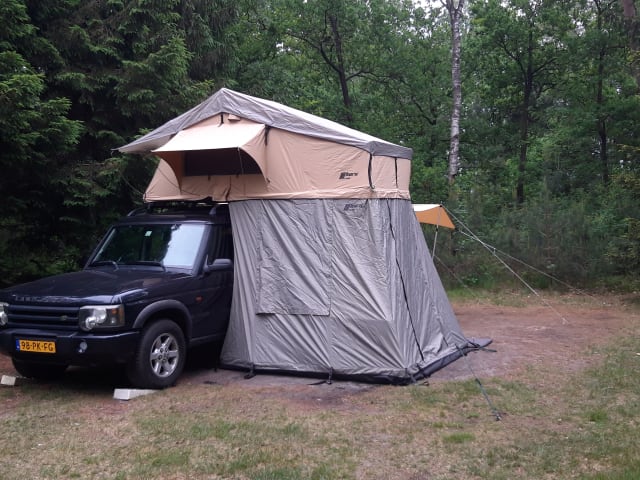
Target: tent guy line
493	252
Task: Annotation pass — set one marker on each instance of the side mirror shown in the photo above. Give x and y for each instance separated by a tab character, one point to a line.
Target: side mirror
218	264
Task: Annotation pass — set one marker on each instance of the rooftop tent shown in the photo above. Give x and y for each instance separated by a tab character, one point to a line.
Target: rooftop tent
332	273
272	151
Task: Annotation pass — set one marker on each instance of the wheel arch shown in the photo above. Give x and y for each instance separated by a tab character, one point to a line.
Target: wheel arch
169	309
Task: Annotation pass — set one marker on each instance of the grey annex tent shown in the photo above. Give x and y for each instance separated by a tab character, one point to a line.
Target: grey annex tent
332	273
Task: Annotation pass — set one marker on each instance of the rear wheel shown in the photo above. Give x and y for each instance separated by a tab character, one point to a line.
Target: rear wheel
40	371
160	356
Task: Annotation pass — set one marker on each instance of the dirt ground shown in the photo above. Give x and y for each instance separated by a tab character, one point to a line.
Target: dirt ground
560	336
559	333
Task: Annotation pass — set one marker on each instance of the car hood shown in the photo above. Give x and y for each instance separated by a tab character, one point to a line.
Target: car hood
90	286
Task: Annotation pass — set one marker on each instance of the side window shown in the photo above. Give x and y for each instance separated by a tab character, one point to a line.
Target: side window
220	243
183	243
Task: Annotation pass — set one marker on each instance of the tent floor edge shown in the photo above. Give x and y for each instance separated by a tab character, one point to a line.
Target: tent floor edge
472	345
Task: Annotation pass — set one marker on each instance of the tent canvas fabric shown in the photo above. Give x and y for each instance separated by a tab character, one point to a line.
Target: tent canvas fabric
267	162
332	272
353	294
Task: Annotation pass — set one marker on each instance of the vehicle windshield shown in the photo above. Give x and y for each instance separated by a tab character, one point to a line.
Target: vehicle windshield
167	246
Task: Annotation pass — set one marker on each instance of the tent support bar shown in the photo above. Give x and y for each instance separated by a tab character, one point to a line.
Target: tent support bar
371	185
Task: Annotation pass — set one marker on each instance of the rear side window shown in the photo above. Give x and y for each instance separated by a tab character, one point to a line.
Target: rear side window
221	243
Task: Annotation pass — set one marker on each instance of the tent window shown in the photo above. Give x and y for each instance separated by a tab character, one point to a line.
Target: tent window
294	265
224	161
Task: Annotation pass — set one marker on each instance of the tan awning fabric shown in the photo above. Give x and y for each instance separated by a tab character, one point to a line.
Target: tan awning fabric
433	214
213	133
220	145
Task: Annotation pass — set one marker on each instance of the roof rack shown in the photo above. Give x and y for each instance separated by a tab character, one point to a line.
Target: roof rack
179	206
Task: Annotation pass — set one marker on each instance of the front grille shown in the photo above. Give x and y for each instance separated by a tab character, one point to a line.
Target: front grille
31	315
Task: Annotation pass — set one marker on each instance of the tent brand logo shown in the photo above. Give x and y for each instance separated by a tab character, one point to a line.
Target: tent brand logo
353	206
344	175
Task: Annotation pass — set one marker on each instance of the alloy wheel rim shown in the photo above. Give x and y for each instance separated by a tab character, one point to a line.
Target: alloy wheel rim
165	355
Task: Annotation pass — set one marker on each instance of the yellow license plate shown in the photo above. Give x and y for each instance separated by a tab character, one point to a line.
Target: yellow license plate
37	346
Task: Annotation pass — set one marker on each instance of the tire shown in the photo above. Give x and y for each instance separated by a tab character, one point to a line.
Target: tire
160	356
39	371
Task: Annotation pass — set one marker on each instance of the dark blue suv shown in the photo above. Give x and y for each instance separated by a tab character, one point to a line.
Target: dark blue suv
159	283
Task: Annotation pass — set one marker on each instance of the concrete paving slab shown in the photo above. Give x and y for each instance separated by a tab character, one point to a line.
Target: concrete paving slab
9	380
130	393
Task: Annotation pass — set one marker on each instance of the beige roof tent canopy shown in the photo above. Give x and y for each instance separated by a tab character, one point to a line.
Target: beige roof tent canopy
234	147
332	274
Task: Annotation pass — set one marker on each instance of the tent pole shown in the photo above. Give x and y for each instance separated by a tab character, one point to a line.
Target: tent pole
435	240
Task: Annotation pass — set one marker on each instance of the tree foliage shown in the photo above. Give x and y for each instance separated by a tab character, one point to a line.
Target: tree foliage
549	148
79	79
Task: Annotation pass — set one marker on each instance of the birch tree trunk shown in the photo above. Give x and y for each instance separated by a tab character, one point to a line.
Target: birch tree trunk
454	7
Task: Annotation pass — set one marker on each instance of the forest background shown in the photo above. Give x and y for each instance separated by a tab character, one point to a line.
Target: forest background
549	154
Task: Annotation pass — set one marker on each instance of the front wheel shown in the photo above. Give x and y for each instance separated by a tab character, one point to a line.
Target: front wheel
39	371
160	356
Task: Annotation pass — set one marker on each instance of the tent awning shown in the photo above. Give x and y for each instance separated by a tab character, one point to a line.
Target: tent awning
212	134
216	146
433	214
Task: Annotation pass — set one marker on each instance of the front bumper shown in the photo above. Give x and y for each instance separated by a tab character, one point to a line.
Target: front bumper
73	348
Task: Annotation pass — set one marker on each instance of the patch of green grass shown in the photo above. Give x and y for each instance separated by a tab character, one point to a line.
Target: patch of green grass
282	473
464	295
218	429
220	442
505	296
161	458
597	416
555	424
444	393
629	472
458	437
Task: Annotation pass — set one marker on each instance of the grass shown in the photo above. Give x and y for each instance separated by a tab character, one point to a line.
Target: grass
554	425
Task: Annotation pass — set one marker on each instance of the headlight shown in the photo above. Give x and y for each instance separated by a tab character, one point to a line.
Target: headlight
101	316
4	318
